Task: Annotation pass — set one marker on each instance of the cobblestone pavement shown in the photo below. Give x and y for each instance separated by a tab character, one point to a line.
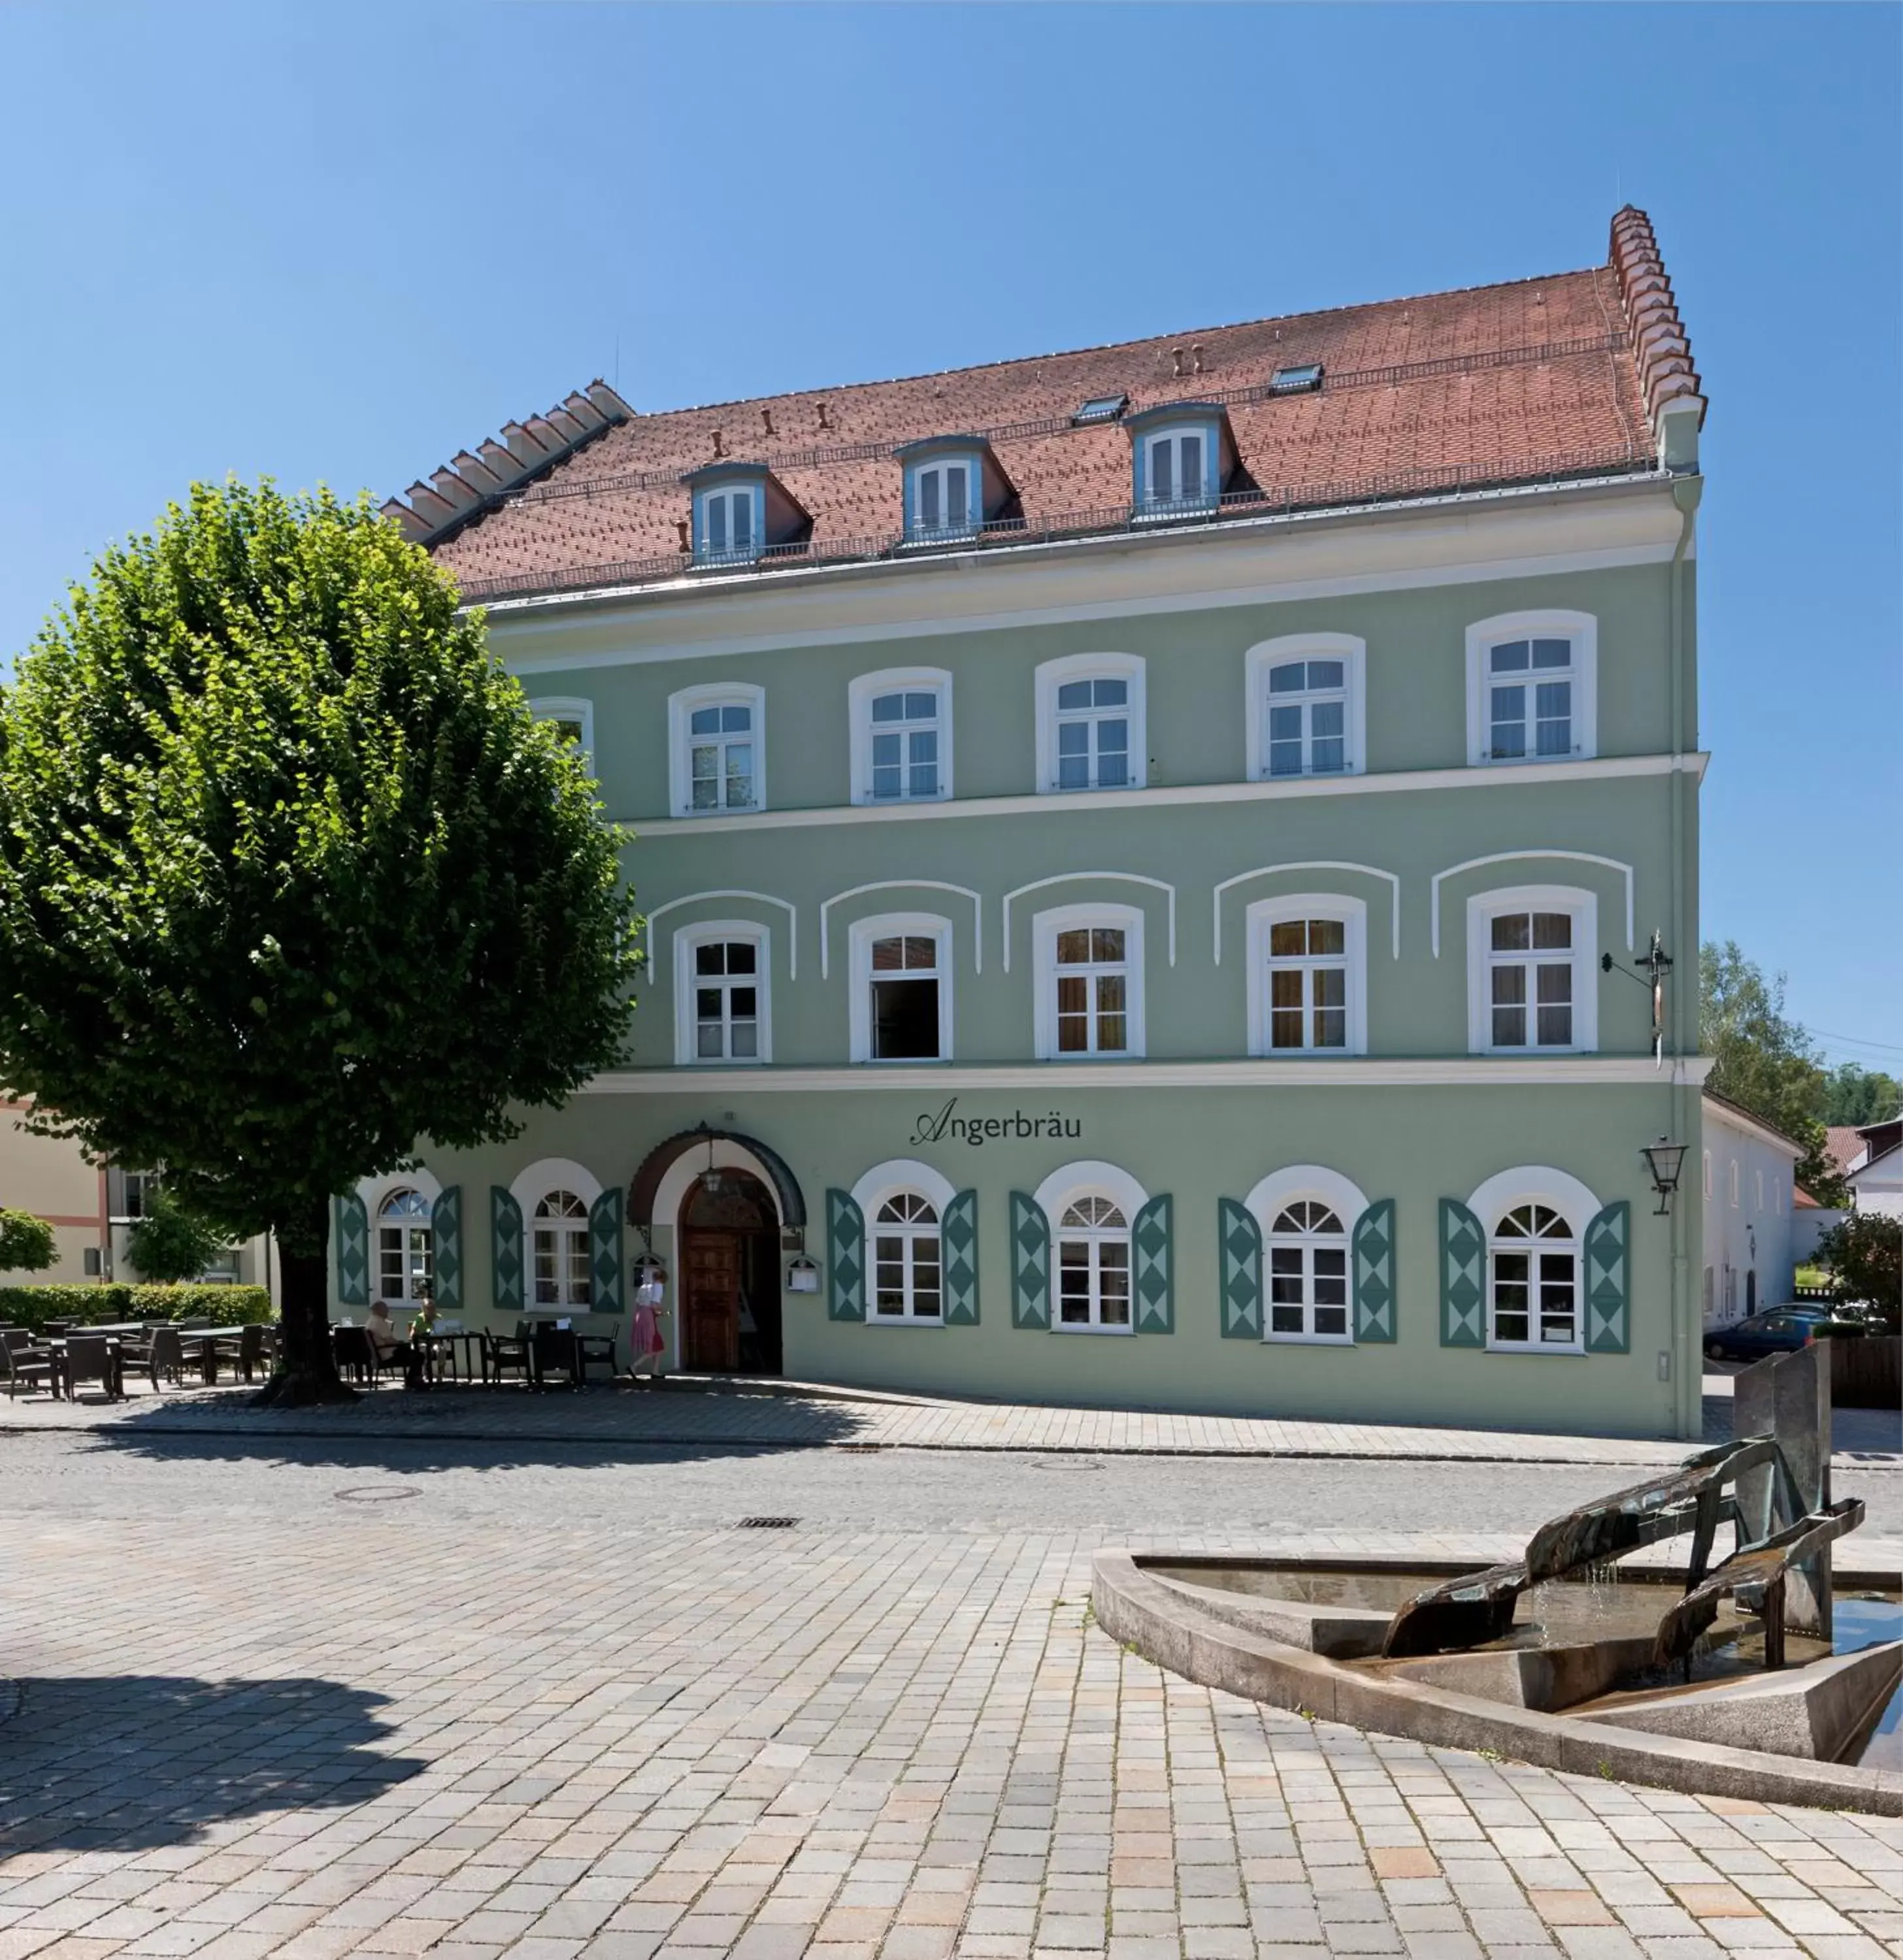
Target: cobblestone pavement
694	1413
511	1715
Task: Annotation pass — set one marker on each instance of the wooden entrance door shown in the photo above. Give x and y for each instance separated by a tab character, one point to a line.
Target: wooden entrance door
711	1332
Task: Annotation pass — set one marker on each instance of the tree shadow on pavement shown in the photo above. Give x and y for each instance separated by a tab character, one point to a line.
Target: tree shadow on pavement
131	1762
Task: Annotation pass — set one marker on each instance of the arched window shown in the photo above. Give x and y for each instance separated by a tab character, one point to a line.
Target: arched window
1533	1280
1308	1273
1093	1264
560	1246
907	1262
404	1248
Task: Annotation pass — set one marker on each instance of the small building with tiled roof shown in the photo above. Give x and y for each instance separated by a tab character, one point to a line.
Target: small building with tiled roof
1171	869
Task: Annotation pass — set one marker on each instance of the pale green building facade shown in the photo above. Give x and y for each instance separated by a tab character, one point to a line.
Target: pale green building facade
1156	961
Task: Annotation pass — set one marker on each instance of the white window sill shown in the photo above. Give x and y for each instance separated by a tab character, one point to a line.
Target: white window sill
870	802
1310	1340
725	810
901	1061
1531	1054
1577	1348
712	1063
904	1320
1084	1327
1520	762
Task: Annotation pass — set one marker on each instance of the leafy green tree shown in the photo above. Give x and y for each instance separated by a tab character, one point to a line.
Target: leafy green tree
170	1243
26	1243
1864	1256
290	878
1857	1095
1763	1061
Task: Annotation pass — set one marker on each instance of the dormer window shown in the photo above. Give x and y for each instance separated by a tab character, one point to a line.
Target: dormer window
727	527
742	514
954	487
1184	454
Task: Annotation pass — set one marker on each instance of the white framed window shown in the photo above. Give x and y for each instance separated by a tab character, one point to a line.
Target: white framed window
1307	1247
1306	706
1757	1191
573	719
1179	467
1092	724
716	750
1532	688
559	1251
722	976
1307	1214
1777	1198
901	977
1533	978
1091	1207
901	735
729	529
945	499
406	1248
1308	974
904	1203
1534	1218
1087	964
1707	1173
1733	1171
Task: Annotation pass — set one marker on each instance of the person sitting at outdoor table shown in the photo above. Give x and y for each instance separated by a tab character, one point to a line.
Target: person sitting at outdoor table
387	1345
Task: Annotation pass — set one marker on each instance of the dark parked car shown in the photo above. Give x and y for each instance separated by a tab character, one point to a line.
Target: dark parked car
1778	1330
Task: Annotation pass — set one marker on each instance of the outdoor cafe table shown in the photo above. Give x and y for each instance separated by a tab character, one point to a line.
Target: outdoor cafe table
116	1384
473	1362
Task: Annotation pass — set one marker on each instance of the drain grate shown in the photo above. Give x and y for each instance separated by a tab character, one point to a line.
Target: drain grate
767	1524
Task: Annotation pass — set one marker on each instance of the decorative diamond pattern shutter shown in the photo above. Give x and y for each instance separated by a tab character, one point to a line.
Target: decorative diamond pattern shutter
604	1252
1240	1239
446	1232
1374	1272
1030	1262
1153	1267
1463	1277
1608	1317
958	1233
505	1249
845	1258
353	1251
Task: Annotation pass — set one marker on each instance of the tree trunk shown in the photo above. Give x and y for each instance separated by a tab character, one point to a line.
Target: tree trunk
307	1373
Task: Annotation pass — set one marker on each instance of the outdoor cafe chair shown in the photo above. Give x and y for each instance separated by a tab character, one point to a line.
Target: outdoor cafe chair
556	1352
26	1366
91	1357
355	1356
164	1356
502	1352
593	1350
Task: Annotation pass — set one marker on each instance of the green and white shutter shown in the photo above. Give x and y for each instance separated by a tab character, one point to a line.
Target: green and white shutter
505	1250
1153	1267
352	1229
604	1252
1239	1245
1463	1277
1030	1262
1371	1258
1608	1266
845	1258
958	1233
446	1236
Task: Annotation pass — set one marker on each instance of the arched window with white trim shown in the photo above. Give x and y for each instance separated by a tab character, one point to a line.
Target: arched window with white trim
1087	964
1308	1251
908	1259
1091	730
1308	974
559	1239
1532	688
1093	1264
1305	710
716	752
406	1248
1533	1303
1532	972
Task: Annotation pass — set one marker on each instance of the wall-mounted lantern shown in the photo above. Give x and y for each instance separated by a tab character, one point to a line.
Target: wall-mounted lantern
802	1276
1663	1160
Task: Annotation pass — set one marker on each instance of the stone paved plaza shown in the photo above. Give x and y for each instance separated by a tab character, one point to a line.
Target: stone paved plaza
282	1696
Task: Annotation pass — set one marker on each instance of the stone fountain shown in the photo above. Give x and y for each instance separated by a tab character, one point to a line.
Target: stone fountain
1723	1673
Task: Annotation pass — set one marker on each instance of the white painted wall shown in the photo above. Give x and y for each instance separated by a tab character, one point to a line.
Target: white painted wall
1808	1226
1745	1177
1879	1187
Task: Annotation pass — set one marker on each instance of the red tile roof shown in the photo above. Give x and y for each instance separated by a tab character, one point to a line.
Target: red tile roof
1844	1144
1535	379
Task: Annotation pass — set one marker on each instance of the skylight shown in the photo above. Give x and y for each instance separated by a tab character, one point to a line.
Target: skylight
1297	381
1100	409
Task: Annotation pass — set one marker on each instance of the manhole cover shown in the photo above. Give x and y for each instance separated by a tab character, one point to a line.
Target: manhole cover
374	1494
1069	1463
767	1524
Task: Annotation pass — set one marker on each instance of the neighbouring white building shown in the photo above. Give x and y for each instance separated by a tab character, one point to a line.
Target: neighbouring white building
1876	1173
1748	1185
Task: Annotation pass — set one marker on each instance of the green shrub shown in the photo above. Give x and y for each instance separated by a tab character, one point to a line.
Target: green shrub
32	1306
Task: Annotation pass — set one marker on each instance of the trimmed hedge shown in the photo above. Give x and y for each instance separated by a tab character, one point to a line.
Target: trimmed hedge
32	1306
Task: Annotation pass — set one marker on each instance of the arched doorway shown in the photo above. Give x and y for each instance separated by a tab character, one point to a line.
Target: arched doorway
729	1277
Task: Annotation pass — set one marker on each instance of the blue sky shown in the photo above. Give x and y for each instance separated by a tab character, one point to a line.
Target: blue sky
343	243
